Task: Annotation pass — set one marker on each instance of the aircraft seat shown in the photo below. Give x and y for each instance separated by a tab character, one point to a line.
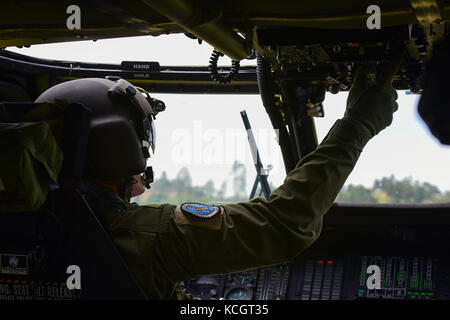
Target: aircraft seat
37	247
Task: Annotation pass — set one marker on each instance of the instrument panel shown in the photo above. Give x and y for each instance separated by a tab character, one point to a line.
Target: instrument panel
260	284
340	278
400	259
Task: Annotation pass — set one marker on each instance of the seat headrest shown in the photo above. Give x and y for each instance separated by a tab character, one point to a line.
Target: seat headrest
30	160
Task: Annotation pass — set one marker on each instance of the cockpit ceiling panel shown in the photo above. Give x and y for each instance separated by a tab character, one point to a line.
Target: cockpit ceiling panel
35	22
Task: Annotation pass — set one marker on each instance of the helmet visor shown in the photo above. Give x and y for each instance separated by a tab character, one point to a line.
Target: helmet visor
152	135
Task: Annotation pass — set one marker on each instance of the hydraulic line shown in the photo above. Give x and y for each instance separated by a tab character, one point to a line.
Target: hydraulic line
266	90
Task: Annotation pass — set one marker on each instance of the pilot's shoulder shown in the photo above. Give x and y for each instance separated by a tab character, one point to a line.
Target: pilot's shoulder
149	206
148	217
153	205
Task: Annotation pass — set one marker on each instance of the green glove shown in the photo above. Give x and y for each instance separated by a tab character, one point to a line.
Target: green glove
373	105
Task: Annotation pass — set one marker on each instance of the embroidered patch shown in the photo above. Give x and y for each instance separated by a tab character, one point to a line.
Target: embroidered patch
199	210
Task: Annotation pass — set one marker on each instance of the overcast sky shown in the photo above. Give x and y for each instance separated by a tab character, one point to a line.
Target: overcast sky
205	132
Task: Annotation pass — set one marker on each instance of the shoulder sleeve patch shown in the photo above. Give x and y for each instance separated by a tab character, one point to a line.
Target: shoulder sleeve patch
199	210
213	222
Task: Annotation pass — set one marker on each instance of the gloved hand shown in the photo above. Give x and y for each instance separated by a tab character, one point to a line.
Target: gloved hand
373	105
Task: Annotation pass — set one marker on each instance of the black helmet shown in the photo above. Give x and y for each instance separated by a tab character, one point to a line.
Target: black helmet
122	126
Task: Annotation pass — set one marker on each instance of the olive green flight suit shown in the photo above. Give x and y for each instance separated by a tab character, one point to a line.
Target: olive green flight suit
162	245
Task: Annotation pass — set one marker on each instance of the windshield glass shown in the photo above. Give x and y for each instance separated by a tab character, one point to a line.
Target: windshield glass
402	164
169	50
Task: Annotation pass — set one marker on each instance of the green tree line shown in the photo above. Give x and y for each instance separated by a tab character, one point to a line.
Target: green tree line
384	190
391	190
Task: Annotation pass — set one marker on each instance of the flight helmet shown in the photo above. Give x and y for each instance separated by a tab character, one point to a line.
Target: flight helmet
122	130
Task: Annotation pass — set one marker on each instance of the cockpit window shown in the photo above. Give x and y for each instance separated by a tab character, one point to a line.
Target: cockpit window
402	164
169	50
202	153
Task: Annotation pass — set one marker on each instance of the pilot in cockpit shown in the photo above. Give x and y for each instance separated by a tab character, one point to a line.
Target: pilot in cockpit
165	244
